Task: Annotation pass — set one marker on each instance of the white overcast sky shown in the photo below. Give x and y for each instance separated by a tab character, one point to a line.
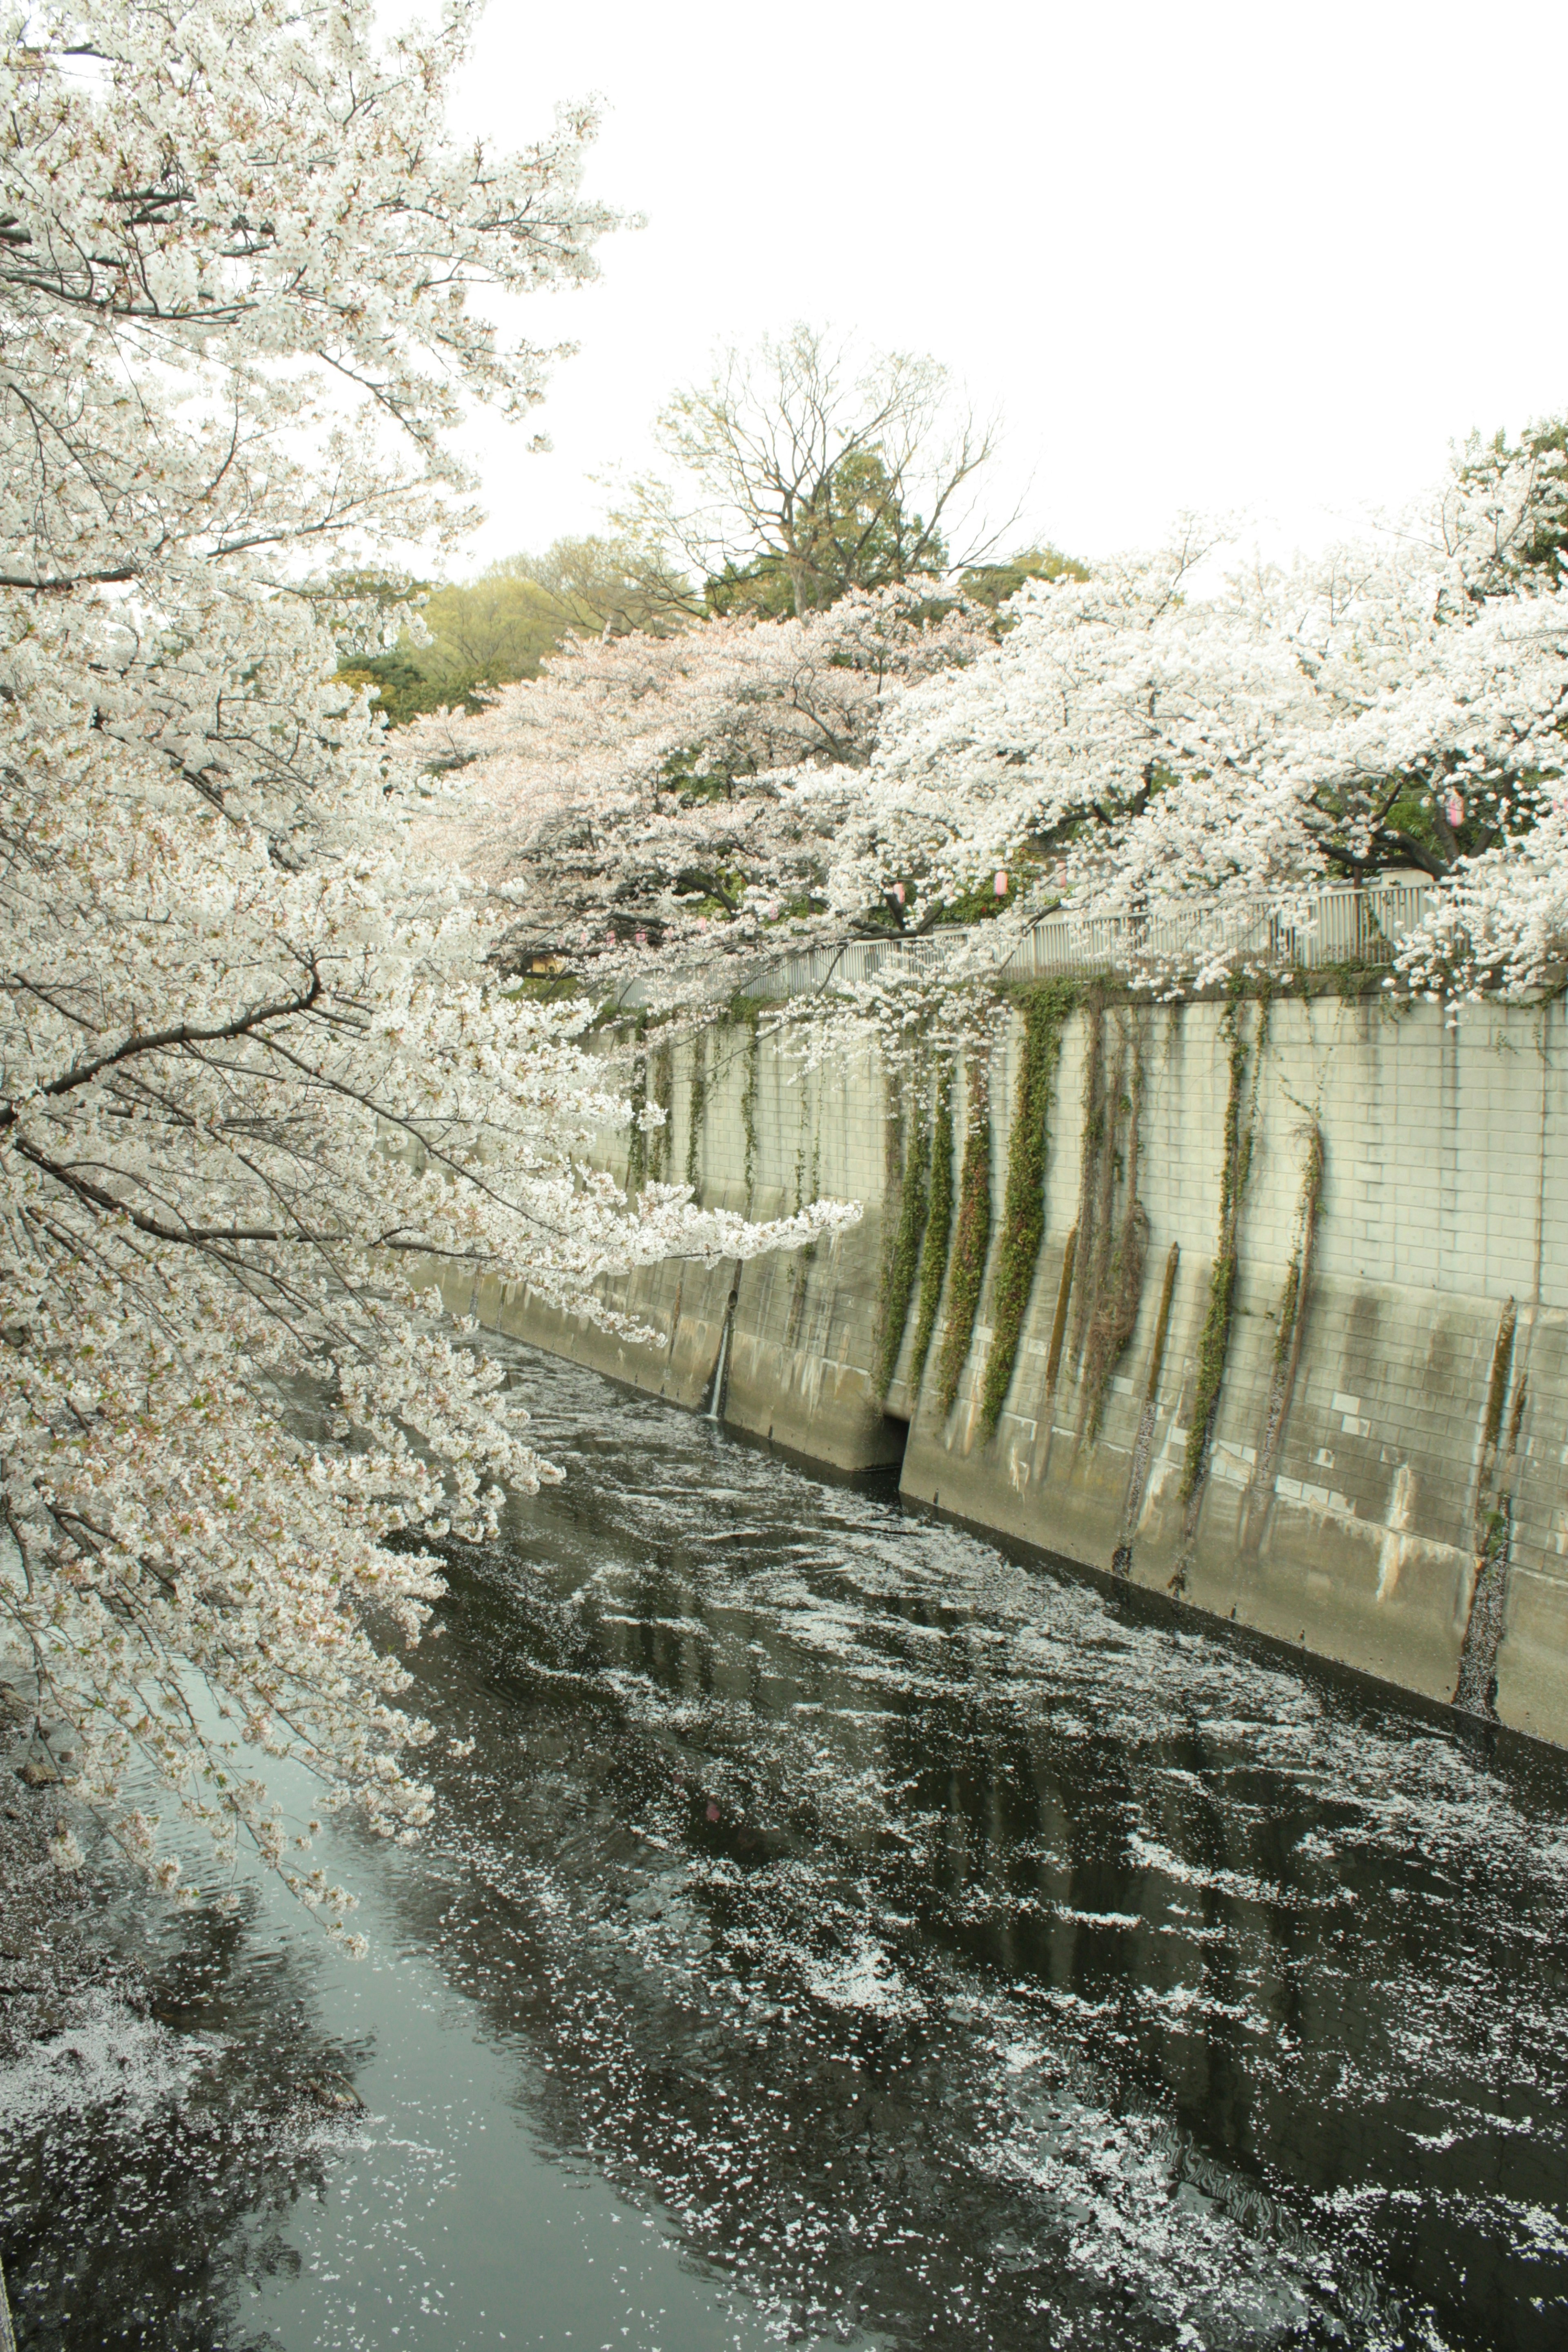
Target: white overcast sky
1271	258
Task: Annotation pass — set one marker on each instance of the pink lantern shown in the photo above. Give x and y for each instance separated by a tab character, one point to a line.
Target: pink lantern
1000	884
1454	806
899	892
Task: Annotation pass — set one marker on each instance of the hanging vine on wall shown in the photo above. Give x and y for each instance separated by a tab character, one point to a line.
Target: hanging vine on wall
810	1131
1143	1444
637	1139
807	1150
1059	1320
970	1241
1092	1145
938	1230
799	1259
699	1107
661	1091
1476	1689
1497	1395
749	1100
1109	1252
1286	1348
901	1262
1045	1011
1118	1281
1214	1342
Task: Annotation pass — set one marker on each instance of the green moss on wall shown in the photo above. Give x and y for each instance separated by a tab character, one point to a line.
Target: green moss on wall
971	1241
1045	1009
749	1100
1116	1316
1214	1344
1091	1134
1292	1296
1114	1291
1143	1444
938	1230
661	1090
698	1110
1503	1364
636	1140
1059	1320
901	1265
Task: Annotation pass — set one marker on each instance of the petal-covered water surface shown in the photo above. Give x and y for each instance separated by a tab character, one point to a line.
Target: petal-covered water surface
840	1932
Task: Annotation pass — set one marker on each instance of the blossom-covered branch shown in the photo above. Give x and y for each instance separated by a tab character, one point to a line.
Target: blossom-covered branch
688	796
258	1076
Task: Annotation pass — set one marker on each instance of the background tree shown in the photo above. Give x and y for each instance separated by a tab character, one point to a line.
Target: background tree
497	628
807	470
995	583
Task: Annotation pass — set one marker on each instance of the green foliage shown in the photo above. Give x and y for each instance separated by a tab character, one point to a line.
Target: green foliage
1044	1009
937	1230
763	589
902	1263
495	629
980	904
970	1242
401	690
993	584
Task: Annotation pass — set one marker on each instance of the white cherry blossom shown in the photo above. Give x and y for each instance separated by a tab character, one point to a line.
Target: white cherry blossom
261	1078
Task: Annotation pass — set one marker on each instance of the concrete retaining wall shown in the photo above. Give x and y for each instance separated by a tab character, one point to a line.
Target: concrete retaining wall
1384	1483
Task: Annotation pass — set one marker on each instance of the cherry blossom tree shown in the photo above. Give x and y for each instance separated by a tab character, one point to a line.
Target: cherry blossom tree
653	802
259	1082
1146	748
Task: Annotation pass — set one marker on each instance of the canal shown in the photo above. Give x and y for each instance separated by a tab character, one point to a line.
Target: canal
838	1933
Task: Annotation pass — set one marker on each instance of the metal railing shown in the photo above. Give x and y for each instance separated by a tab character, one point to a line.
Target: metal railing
1342	926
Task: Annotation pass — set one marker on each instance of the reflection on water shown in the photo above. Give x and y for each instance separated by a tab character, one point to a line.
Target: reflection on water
842	1934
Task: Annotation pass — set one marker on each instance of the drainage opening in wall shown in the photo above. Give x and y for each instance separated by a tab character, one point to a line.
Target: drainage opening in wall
895	1437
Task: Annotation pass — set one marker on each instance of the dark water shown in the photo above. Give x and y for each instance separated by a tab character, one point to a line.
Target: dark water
841	1934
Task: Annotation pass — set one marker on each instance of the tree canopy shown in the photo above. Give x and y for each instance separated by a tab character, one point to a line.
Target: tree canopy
494	629
1153	737
806	469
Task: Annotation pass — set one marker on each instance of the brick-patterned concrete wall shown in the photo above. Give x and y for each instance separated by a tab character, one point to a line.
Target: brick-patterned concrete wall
801	1326
1426	1432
